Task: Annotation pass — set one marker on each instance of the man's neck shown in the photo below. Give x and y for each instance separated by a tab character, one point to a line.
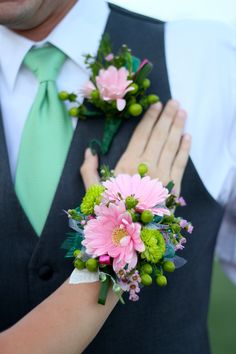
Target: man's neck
42	31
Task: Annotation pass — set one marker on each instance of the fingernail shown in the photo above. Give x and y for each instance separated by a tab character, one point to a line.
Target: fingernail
182	114
187	137
174	103
88	153
157	105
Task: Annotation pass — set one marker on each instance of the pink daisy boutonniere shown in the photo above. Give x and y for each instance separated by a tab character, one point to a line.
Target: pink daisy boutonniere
116	90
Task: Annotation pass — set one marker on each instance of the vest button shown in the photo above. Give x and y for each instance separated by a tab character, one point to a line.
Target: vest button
45	272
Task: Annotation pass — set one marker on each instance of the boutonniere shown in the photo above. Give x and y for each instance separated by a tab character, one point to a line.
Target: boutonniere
116	90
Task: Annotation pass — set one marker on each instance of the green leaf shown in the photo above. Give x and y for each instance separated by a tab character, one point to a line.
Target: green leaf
91	113
104	288
72	243
135	64
128	61
170	186
105	47
110	129
143	73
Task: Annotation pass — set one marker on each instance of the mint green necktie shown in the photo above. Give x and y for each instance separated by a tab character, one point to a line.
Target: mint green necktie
45	140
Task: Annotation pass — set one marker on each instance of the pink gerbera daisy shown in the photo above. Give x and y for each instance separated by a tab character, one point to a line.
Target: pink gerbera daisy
114	233
150	193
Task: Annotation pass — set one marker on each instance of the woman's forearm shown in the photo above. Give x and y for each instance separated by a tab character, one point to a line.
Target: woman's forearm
66	322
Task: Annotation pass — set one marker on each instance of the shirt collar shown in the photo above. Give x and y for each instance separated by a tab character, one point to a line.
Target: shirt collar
77	34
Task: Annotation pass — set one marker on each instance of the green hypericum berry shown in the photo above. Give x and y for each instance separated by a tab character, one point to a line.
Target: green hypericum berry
153	99
79	264
146	83
146	216
135	109
76	253
72	97
146	279
169	266
142	169
161	280
95	95
131	202
74	112
146	268
135	88
63	95
92	264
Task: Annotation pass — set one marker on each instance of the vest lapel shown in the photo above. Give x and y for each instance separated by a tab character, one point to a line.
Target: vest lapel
9	204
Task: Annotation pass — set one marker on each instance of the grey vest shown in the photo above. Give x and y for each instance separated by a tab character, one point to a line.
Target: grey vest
164	321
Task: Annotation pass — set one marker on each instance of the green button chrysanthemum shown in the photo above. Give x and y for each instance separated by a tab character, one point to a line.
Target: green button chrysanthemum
154	245
92	197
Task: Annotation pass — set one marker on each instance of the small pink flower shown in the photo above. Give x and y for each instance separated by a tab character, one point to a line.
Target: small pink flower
113	84
143	63
105	259
135	277
180	245
90	217
183	223
150	193
190	228
109	57
114	233
124	285
181	201
133	297
87	89
134	287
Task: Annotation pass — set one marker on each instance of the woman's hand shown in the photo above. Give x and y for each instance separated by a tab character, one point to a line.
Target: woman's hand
158	141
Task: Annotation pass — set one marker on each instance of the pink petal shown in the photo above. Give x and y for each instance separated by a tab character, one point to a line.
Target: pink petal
125	241
120	104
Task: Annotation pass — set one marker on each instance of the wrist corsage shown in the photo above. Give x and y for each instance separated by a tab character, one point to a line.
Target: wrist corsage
126	233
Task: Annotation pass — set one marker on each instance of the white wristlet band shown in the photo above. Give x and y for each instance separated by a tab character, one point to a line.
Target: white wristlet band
83	276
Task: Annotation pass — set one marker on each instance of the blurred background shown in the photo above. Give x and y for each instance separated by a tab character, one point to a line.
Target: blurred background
222	314
184	9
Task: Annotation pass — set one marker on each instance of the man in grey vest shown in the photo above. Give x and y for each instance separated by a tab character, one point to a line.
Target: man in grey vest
189	64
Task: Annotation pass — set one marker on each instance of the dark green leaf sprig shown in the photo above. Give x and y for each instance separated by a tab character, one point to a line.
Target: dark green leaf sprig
137	100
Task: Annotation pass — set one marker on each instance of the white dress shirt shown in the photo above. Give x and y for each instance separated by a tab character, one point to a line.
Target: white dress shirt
201	63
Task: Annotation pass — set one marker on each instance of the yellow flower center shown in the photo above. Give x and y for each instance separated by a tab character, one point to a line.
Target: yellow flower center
117	235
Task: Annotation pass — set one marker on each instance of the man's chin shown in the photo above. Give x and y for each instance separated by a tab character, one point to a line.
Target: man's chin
14	13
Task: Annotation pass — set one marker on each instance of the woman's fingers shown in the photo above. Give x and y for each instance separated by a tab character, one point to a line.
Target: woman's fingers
172	143
180	161
143	130
158	141
160	132
89	169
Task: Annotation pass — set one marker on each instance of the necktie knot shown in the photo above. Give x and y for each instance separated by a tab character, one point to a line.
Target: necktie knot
45	62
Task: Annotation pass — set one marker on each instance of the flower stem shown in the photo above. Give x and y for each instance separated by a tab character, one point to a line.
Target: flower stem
104	291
